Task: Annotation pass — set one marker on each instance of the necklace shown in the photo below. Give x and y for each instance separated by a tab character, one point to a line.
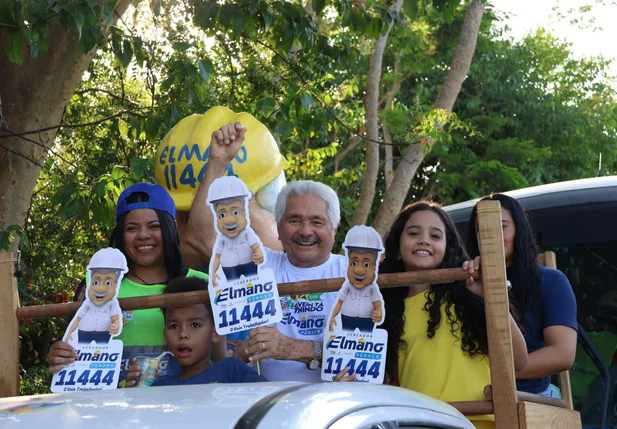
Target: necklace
145	282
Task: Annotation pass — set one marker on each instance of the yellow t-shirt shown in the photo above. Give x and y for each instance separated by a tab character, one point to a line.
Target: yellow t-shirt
437	366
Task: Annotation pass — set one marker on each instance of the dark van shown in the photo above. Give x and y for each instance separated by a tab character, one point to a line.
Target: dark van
578	221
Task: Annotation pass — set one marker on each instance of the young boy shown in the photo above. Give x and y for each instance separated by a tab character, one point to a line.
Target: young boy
189	333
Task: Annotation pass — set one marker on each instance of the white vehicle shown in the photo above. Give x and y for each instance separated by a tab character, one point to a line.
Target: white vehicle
238	406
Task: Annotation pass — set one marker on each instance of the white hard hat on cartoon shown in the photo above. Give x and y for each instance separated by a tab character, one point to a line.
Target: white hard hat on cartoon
364	237
227	187
108	258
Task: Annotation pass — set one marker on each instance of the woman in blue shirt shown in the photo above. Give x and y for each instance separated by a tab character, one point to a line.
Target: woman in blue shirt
542	296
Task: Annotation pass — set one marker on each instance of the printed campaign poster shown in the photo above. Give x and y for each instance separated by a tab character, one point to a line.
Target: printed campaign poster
243	295
93	327
352	339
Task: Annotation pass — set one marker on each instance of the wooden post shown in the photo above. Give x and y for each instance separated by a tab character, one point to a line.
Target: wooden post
490	240
9	346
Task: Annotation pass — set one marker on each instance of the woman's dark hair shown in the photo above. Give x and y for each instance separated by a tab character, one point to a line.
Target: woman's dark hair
523	271
174	264
467	321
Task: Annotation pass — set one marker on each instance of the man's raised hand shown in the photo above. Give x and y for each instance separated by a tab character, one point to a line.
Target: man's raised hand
226	142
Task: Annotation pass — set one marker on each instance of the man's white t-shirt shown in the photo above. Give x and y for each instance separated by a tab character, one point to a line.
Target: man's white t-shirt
236	250
96	317
358	302
304	316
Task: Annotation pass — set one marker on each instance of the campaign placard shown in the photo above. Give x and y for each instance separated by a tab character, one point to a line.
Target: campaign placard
93	327
243	295
352	340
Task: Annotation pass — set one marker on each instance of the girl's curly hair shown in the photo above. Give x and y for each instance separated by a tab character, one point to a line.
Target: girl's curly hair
523	272
464	310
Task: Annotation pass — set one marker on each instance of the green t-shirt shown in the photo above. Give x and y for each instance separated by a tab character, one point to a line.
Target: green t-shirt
144	327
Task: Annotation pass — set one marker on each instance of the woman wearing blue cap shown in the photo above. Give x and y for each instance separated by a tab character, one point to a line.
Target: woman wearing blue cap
146	234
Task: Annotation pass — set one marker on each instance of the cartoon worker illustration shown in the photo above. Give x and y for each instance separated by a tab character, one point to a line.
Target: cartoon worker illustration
98	318
237	249
360	302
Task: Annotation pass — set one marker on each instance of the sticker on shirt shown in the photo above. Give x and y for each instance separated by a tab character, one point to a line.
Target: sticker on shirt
243	295
93	327
351	339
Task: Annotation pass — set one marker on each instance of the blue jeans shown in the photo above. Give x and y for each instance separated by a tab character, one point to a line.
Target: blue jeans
234	273
364	324
551	391
98	337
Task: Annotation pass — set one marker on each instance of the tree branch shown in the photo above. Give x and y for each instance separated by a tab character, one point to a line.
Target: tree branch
111	94
371	107
339	156
87	124
306	82
396	194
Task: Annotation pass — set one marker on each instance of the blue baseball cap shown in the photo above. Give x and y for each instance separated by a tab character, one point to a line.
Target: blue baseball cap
158	199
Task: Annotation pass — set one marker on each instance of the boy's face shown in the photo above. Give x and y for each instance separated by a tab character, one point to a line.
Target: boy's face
102	287
231	218
189	331
361	269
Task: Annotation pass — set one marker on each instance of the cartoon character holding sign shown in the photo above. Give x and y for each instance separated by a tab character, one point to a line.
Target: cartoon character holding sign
96	322
354	343
360	302
247	296
98	318
237	250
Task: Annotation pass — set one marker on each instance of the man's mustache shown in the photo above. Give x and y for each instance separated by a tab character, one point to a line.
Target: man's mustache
305	240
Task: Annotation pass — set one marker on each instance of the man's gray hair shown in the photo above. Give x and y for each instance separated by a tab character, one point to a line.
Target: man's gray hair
308	187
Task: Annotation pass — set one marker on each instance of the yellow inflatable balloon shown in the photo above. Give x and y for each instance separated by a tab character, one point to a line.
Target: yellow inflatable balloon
182	156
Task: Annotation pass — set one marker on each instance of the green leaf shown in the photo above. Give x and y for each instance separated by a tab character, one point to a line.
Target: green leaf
6	238
240	22
80	18
410	7
206	14
127	53
139	166
123	128
307	100
138	43
206	69
266	106
319	5
181	46
13	48
117	172
265	15
108	14
227	14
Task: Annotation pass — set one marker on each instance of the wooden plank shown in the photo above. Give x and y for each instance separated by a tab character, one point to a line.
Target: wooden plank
539	416
490	240
530	397
9	349
296	288
473	408
549	259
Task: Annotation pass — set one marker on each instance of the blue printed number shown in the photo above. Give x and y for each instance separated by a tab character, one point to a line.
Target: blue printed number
84	378
335	366
230	317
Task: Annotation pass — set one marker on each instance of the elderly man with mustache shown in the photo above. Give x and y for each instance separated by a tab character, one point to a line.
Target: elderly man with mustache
307	215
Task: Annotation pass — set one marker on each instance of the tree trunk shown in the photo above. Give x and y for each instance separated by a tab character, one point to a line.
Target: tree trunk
388	168
34	95
371	108
415	154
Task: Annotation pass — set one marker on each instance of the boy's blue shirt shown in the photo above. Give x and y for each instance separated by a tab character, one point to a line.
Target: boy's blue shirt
230	370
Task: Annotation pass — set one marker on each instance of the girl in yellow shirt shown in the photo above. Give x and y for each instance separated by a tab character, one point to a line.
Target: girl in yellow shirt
437	341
